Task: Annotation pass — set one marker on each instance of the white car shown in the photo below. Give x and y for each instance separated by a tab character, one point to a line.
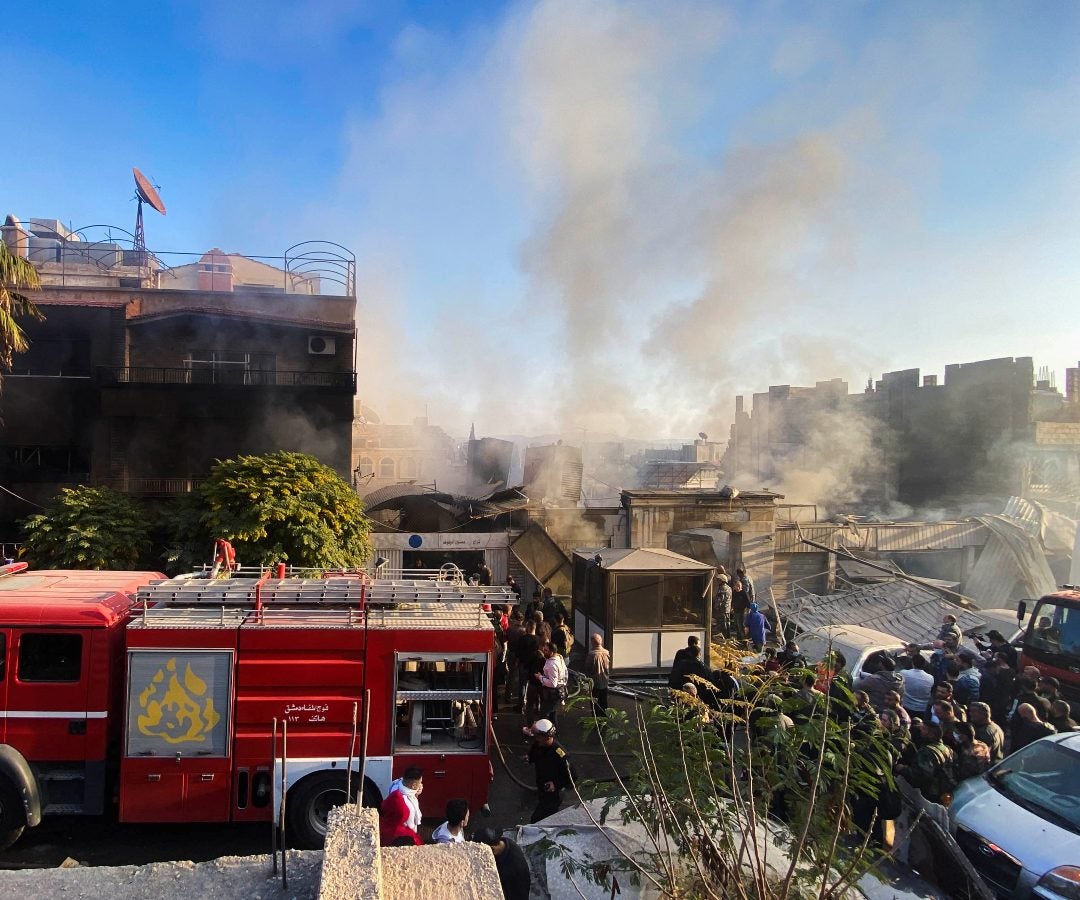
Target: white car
854	642
1019	824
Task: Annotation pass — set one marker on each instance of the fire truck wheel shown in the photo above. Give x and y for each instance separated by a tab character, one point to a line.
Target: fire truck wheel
310	802
12	818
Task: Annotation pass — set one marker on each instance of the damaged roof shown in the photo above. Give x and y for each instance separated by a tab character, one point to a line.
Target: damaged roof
1011	566
460	506
899	608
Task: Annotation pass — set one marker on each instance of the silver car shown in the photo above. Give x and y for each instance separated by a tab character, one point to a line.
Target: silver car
1019	824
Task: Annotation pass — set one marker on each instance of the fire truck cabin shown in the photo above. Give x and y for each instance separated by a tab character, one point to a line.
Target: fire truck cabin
61	681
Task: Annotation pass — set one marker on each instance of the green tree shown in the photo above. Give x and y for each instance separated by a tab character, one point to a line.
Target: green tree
281	507
88	528
16	276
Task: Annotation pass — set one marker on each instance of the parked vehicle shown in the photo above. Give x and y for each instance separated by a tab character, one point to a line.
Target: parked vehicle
183	700
854	642
1019	824
1052	639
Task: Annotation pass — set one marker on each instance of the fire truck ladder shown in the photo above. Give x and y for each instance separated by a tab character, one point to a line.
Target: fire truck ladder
339	591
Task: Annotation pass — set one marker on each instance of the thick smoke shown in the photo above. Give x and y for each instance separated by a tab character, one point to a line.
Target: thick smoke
826	453
631	230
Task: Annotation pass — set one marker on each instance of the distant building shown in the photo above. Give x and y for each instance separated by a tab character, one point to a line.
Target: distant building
966	438
385	454
489	463
692	467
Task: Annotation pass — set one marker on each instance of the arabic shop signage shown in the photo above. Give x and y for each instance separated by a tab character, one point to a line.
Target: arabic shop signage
455	540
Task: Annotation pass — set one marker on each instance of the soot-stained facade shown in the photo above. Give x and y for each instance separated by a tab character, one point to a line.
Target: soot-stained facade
135	384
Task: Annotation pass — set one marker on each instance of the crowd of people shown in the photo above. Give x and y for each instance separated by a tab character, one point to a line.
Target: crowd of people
950	711
532	645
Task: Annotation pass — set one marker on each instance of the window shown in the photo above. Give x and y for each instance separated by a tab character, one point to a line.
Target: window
178	702
43	463
408	468
657	600
439	704
637	601
229	367
365	466
682	602
50	657
386	467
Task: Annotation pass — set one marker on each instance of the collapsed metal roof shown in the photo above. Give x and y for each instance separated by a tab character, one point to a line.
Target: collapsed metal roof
1012	565
411	498
899	608
857	572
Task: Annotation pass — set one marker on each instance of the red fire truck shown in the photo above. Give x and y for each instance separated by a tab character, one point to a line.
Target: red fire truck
1052	638
195	699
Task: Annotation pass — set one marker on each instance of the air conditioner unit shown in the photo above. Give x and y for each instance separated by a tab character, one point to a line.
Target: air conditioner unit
321	346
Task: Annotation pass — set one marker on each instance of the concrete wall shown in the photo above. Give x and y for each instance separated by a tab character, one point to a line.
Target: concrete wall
750	519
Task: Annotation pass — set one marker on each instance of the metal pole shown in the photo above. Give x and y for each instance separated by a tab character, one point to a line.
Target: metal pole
352	746
363	748
273	824
284	756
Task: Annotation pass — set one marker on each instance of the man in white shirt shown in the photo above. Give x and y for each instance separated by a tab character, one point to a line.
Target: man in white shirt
918	687
452	831
411	785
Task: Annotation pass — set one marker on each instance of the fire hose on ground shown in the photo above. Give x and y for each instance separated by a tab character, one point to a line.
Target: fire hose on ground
502	759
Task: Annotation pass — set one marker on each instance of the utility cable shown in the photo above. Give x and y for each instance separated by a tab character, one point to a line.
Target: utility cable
17	497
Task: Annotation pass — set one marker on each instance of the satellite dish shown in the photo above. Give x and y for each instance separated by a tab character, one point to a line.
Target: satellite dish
703	435
146	192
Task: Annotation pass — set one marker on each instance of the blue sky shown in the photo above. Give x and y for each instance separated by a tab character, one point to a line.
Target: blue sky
605	215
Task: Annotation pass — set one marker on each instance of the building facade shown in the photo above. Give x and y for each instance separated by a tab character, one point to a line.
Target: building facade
140	387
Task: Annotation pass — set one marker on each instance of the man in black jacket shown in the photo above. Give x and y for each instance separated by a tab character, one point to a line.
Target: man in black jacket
552	769
510	862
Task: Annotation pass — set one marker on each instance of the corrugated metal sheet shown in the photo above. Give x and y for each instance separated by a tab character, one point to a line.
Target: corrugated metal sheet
882	537
800	573
788	538
928	535
1056	530
1011	566
899	608
853	570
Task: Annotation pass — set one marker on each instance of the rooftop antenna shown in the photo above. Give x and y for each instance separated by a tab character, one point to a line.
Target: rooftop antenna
145	192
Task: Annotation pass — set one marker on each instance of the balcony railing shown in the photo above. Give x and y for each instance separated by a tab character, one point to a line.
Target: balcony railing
110	375
155	486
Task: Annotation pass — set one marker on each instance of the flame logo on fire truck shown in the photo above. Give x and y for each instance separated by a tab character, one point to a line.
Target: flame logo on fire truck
179	714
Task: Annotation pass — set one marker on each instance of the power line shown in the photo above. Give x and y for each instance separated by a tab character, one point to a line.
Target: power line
17	497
